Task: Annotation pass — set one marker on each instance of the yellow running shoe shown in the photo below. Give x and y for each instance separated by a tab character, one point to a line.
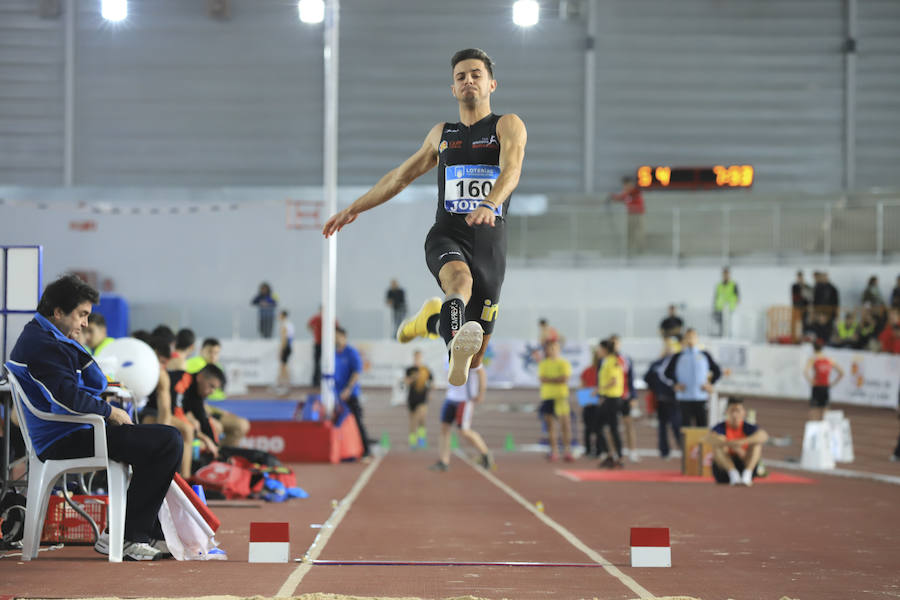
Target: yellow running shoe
464	345
417	325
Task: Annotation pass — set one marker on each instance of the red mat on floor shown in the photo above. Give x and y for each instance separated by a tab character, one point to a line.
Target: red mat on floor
667	476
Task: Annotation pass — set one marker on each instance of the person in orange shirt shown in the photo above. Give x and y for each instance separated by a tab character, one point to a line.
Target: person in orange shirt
737	446
818	373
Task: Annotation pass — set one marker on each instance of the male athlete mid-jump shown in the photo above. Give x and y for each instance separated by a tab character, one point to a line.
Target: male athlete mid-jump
479	162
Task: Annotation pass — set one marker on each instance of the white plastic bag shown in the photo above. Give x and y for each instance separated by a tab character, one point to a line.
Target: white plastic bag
188	535
817	451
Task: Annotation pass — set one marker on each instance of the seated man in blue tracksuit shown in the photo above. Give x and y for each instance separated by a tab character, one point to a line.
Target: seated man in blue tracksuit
667	410
73	383
694	372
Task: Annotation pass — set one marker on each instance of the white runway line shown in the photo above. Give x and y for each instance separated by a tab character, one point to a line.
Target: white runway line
290	585
610	568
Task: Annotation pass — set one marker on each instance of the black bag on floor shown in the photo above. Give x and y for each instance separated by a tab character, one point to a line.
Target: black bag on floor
255	456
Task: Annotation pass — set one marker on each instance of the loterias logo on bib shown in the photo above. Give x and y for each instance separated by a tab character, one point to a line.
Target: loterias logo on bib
486	142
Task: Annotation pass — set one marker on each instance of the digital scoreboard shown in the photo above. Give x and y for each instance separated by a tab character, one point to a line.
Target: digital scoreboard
694	178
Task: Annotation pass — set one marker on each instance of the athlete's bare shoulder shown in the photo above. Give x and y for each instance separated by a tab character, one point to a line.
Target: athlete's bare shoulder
511	126
433	139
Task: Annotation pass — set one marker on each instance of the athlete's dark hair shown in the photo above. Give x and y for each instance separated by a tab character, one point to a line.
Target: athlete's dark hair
184	339
609	347
97	319
284	313
818	345
165	332
476	53
211	342
66	293
339	329
735	400
159	345
211	370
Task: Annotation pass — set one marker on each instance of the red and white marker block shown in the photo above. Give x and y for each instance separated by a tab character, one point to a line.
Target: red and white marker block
650	547
270	542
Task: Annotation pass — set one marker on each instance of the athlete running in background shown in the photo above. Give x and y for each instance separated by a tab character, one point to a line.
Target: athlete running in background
818	373
457	410
479	162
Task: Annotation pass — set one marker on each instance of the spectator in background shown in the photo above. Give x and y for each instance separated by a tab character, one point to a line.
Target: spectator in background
818	374
672	324
286	333
315	328
185	341
95	338
845	332
165	333
667	410
396	299
265	301
419	380
801	298
226	425
554	372
628	403
610	387
633	200
547	335
726	298
890	335
826	298
872	295
868	332
737	446
589	416
694	372
819	328
895	295
348	367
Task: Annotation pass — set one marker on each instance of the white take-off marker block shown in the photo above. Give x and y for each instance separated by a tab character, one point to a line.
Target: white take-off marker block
650	547
270	542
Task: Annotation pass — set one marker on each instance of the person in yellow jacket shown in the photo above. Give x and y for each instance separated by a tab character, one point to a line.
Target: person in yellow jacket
610	387
554	372
726	299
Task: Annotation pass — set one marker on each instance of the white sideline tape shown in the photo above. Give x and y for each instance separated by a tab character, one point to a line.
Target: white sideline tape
610	568
315	549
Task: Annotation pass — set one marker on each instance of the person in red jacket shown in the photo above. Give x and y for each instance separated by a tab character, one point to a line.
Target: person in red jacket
633	200
890	335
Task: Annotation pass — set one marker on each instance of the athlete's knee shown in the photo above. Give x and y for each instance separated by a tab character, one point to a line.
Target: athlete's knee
456	278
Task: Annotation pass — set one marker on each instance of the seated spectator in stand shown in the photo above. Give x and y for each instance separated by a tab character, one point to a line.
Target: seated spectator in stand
184	348
845	332
895	295
158	408
819	328
867	333
872	295
737	446
890	336
74	381
672	324
229	428
801	297
667	411
95	338
189	393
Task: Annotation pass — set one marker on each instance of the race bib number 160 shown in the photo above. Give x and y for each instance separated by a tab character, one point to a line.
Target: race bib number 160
465	186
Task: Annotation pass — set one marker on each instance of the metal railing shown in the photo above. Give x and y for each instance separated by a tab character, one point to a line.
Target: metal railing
725	233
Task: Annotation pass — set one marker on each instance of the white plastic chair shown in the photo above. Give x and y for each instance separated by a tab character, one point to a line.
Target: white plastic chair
42	475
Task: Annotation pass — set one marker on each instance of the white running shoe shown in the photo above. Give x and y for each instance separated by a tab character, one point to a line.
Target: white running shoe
155	550
464	345
747	477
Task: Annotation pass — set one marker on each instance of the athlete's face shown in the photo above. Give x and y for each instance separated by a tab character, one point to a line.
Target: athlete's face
472	83
206	385
735	414
211	353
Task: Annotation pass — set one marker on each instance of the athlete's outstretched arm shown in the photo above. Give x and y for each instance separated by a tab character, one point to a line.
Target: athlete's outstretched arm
392	183
512	135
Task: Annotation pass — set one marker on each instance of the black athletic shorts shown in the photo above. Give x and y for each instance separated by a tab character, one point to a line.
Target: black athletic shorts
483	248
286	353
721	475
820	396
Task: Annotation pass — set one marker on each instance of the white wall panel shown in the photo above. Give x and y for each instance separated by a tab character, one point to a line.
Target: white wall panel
704	82
31	95
878	94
